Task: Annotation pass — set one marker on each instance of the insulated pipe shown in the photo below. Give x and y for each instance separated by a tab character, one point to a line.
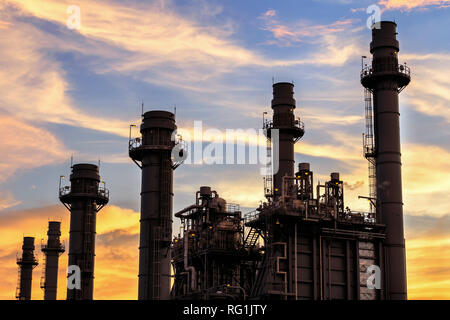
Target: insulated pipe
179	214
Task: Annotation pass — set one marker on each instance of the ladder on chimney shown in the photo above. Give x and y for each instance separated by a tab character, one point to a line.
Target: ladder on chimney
268	184
156	263
369	147
18	284
42	281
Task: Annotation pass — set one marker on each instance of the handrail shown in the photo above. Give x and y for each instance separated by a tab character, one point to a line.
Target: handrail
385	67
251	216
101	191
134	143
268	124
61	247
233	207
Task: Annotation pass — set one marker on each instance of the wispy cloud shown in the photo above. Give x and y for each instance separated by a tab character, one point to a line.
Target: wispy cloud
195	54
335	48
34	87
428	92
413	4
300	31
20	140
7	200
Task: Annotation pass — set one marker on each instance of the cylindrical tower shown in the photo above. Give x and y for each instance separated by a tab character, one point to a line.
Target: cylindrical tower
153	154
84	198
385	79
26	265
290	130
52	250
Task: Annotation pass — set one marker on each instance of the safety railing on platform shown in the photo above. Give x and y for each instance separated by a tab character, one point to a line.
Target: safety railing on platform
369	70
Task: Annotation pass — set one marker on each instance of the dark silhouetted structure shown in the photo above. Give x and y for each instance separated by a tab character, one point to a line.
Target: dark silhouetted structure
290	130
26	265
208	256
385	79
313	247
52	250
303	243
84	198
153	154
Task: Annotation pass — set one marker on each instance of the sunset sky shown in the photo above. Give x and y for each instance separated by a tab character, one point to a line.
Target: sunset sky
67	92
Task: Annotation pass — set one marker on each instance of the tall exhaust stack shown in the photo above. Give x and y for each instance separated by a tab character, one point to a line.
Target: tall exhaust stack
84	198
290	131
26	265
153	154
385	78
52	250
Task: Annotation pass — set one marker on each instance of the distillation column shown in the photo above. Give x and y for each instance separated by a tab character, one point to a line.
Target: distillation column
152	153
290	131
385	79
26	265
52	250
85	197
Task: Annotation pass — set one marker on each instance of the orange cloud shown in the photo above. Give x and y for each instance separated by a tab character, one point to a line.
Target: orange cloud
34	87
7	200
428	257
196	54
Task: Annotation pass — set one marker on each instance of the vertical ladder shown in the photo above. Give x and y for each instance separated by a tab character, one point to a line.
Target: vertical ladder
268	179
18	284
369	146
156	263
42	283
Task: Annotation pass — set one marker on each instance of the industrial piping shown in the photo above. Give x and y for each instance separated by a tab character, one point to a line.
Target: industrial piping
52	250
26	265
153	154
385	78
84	198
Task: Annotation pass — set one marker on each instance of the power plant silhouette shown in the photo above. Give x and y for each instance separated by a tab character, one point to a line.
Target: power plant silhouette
301	243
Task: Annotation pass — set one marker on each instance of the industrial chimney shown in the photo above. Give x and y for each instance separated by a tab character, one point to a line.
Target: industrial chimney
385	78
84	198
290	131
153	154
26	265
52	250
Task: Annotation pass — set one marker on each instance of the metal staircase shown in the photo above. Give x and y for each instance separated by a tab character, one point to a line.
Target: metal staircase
251	239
